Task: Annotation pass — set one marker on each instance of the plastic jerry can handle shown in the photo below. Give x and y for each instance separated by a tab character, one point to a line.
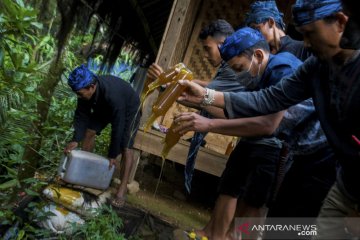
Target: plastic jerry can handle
63	167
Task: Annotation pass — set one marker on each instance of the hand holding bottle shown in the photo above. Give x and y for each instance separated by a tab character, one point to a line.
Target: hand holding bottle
154	71
190	121
193	94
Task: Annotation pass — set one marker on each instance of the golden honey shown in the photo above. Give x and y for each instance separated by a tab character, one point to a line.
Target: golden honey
170	140
166	76
168	97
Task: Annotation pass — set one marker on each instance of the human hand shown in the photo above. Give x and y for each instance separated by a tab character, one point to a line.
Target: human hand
70	146
154	71
112	162
190	121
193	94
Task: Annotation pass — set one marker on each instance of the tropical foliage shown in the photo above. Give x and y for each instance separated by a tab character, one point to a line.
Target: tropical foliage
36	105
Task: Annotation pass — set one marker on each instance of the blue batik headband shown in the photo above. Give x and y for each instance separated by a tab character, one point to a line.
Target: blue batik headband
238	42
261	11
80	77
308	11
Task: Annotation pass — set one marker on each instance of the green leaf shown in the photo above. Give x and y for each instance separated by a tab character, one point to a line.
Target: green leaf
21	235
20	3
9	184
37	25
11	171
31	192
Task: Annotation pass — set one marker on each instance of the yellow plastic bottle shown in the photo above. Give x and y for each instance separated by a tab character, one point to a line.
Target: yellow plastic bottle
166	77
170	140
168	97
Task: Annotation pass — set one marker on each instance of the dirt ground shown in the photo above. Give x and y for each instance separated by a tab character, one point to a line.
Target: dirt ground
170	202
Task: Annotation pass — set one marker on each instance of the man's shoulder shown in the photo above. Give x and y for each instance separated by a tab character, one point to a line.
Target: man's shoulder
288	43
279	66
283	60
110	81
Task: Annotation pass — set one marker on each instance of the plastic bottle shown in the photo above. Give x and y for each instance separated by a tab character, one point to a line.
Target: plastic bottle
166	77
168	97
170	140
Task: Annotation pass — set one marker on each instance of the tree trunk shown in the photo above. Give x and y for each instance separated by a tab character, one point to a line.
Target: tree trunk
46	90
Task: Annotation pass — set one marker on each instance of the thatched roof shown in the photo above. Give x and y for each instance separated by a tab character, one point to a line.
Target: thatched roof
140	23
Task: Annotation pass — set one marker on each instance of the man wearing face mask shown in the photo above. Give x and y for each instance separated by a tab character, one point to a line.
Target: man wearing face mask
249	176
331	78
313	169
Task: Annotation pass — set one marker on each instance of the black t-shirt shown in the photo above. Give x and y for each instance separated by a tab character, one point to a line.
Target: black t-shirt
115	102
297	48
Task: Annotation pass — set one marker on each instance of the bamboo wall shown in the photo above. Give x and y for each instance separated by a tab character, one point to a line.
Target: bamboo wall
189	50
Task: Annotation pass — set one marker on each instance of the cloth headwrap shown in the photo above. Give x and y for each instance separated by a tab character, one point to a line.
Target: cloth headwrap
308	11
80	78
261	11
242	39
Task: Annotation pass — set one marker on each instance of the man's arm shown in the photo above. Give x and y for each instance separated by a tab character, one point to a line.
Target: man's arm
201	82
243	127
289	91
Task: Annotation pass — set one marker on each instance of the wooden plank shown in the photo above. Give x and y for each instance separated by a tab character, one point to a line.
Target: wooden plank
173	32
186	33
166	31
207	160
195	34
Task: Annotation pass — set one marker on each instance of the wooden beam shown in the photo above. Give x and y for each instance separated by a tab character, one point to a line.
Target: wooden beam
207	160
172	32
196	31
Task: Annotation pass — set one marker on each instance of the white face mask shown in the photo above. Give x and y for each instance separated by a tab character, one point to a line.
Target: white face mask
247	80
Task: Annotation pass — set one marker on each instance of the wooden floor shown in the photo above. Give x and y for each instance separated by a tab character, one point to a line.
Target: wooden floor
207	160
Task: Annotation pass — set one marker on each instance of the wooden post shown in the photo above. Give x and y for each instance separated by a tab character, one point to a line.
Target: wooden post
181	18
136	160
172	32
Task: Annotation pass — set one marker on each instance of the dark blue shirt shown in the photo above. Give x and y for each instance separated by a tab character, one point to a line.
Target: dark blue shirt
114	102
300	126
335	90
287	44
278	66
